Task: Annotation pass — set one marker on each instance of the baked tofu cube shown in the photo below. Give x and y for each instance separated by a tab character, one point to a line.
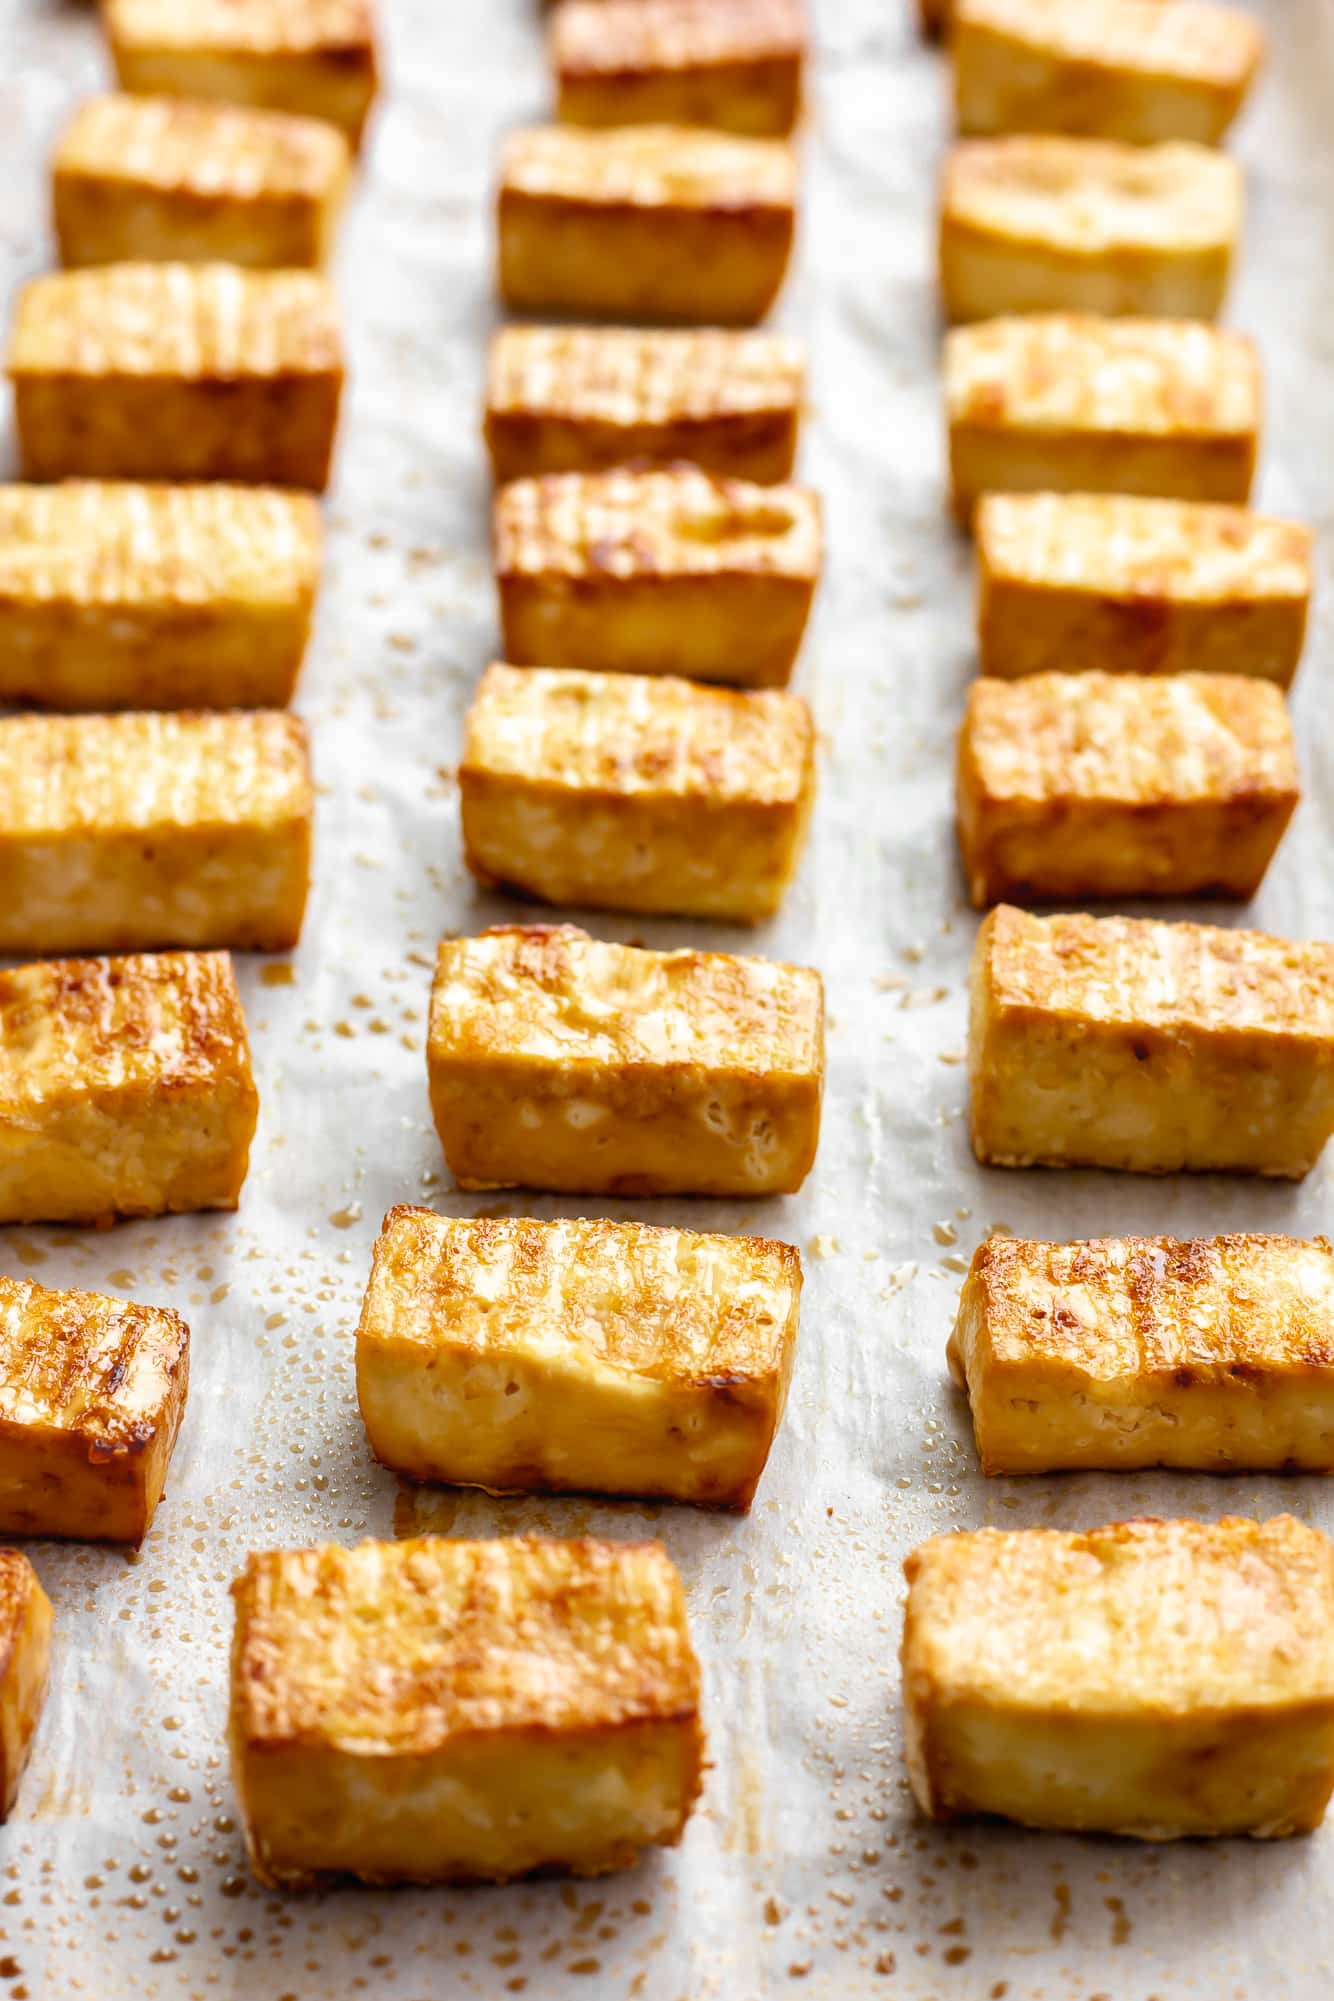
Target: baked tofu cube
1093	785
120	833
160	179
580	399
1114	69
92	1393
440	1710
1151	1678
620	793
560	1062
1063	403
645	222
119	596
732	64
1069	582
673	572
595	1357
1043	224
1125	1043
125	1088
313	57
25	1668
1215	1355
177	371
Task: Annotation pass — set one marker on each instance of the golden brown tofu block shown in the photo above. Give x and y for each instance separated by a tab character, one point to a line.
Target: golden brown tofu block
645	222
25	1668
132	831
580	399
732	64
92	1393
1069	582
1114	69
121	596
560	1062
592	1357
1092	785
440	1710
177	371
1125	1352
657	572
1155	1048
1040	224
160	179
125	1088
617	792
1063	403
313	57
1151	1678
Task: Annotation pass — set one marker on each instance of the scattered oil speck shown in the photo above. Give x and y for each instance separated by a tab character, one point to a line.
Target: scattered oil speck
281	975
899	1277
824	1247
945	1233
343	1219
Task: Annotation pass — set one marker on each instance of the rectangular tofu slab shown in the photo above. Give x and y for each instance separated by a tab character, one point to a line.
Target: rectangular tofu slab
177	371
1071	786
122	596
1040	224
580	399
1152	1678
1064	403
645	222
1126	1352
313	57
125	1088
1113	69
25	1668
120	833
657	572
92	1393
1069	582
616	792
160	179
439	1710
732	64
1155	1048
594	1357
560	1062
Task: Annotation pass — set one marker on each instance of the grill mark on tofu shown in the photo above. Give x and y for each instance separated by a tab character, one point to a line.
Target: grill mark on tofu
1207	43
618	376
337	28
614	39
651	167
213	151
102	1369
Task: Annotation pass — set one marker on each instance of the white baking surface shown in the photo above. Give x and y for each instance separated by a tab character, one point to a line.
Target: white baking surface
805	1869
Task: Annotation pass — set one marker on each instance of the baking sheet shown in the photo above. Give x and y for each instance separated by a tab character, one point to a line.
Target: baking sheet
805	1870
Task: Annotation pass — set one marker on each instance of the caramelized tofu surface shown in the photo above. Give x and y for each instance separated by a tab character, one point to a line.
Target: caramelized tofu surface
441	1710
733	64
25	1668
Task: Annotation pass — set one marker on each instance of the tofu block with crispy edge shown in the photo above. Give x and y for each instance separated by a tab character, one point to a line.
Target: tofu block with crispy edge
1126	1352
440	1710
1152	1678
560	1062
159	178
1069	582
1040	224
657	572
125	1088
313	57
177	371
732	64
645	222
1114	69
25	1668
618	792
580	399
127	832
1066	403
92	1393
591	1357
121	596
1125	1043
1093	785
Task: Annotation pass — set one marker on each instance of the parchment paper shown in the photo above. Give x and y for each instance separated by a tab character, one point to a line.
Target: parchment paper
806	1870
